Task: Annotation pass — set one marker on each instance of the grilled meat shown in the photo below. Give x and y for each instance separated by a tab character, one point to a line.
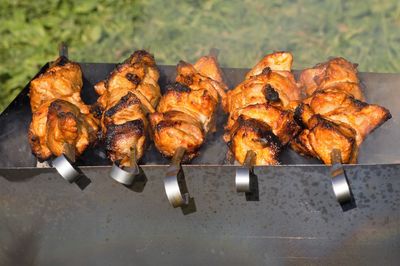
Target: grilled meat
336	73
334	115
126	96
62	80
262	106
61	122
250	134
186	111
269	86
322	135
280	121
343	107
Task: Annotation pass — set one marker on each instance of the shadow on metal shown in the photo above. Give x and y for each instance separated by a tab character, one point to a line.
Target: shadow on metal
190	207
139	182
253	194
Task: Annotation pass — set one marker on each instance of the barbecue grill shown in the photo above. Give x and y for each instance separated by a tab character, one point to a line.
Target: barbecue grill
289	213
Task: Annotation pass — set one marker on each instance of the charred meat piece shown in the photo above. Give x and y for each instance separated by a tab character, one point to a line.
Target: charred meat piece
126	96
138	75
60	119
250	134
186	111
335	73
174	129
62	80
343	107
196	103
120	138
282	122
265	87
322	135
58	123
265	100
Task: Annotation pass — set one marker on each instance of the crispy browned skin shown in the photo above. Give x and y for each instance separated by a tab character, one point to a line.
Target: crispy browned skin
196	103
322	135
59	122
62	80
250	134
186	111
343	107
280	121
279	62
337	73
264	101
343	119
127	95
59	116
269	86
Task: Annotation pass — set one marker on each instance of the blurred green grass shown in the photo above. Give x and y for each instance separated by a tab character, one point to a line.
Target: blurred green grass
366	32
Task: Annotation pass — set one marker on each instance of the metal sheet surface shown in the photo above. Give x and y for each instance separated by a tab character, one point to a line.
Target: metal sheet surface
44	221
381	147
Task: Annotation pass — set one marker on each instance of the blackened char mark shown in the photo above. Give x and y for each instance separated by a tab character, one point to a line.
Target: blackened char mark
179	87
266	70
135	79
264	132
126	101
167	123
96	110
271	94
115	132
298	114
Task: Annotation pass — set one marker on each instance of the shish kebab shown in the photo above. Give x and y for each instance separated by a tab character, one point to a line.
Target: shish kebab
334	115
261	119
61	123
185	115
126	97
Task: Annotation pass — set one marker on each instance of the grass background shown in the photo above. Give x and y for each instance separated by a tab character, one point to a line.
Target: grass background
366	32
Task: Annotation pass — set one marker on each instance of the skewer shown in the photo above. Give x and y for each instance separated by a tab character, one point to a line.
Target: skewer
244	173
339	180
63	49
174	181
126	175
64	162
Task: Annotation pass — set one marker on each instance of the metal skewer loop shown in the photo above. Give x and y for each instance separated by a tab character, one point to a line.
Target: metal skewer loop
174	181
64	164
339	181
126	175
242	178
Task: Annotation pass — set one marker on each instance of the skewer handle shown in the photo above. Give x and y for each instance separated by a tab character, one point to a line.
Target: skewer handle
242	178
174	181
214	52
126	176
65	168
63	49
339	180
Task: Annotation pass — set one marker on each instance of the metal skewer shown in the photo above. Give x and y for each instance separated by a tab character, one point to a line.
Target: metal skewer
244	173
64	162
126	175
174	181
339	180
